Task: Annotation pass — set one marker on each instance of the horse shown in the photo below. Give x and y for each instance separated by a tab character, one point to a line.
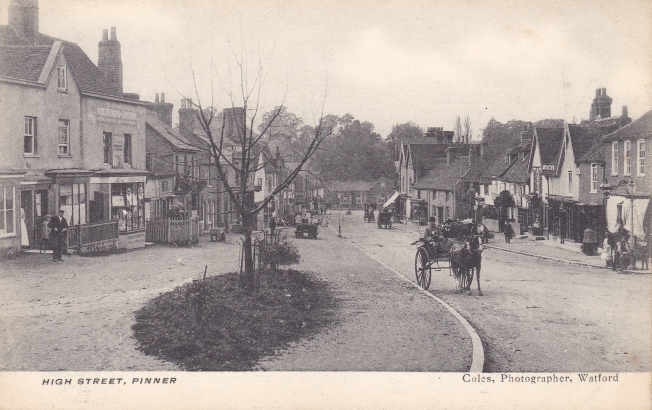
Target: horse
465	260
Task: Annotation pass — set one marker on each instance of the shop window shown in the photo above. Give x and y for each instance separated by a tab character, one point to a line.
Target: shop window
7	211
29	139
72	199
127	206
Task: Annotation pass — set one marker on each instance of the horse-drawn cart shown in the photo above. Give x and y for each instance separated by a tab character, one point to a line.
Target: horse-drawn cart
462	257
309	229
369	212
385	220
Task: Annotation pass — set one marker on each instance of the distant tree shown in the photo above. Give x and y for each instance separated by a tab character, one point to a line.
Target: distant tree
401	132
353	152
468	131
457	129
499	137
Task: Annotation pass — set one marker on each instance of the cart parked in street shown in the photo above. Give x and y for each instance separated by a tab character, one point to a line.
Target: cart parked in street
385	219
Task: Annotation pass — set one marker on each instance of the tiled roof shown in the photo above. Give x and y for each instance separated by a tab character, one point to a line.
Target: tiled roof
518	171
23	62
640	128
550	140
347	186
423	155
443	176
87	75
594	154
168	133
500	167
583	138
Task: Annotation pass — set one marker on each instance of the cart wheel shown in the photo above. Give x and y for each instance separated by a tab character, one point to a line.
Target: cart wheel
422	268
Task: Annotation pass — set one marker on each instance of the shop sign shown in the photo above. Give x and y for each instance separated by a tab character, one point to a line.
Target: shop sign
122	180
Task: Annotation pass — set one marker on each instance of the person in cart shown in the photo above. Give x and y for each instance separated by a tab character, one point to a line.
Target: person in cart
433	233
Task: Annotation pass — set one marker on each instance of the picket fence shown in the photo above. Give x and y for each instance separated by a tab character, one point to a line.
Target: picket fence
180	231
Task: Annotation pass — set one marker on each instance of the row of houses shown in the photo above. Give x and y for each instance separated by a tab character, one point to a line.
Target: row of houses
555	182
74	140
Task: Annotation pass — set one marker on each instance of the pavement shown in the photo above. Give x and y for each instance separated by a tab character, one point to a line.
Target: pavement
567	252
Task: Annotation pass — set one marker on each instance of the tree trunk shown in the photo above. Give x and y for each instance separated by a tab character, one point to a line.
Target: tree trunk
247	228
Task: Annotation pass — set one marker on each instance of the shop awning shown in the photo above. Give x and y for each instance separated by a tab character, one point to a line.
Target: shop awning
632	212
391	199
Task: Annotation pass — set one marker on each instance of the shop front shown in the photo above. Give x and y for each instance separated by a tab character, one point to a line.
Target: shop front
120	196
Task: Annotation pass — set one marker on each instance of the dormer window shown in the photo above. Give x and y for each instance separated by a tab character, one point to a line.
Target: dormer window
62	78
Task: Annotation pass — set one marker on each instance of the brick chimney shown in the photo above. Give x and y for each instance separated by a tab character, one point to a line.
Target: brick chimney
23	18
601	105
162	109
472	154
110	61
187	117
234	122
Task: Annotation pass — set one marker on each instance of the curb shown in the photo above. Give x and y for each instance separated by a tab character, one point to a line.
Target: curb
477	363
533	255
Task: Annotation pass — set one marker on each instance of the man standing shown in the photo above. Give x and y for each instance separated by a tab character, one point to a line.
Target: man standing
58	230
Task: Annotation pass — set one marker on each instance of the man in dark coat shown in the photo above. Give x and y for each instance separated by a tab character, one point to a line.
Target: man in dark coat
58	231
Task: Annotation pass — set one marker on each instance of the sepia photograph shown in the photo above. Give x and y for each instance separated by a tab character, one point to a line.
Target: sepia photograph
397	204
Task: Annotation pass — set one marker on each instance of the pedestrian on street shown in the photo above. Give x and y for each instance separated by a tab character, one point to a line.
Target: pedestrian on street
272	226
589	242
607	254
58	231
509	232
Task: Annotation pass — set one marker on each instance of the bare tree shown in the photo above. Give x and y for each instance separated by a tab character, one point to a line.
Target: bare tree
457	129
468	131
238	150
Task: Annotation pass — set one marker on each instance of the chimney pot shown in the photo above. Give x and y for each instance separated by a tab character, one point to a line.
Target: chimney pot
604	91
597	92
162	97
105	35
625	114
113	36
156	98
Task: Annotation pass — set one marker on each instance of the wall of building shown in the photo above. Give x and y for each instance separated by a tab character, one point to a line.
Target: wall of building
48	105
585	194
119	118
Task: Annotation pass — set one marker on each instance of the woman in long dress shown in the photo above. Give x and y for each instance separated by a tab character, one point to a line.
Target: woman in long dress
24	238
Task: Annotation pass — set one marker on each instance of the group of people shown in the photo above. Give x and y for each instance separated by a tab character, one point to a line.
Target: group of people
436	234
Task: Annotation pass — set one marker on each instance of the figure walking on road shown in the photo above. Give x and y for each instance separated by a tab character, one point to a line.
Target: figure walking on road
509	232
58	230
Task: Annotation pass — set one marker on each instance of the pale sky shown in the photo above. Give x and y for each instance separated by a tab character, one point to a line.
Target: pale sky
385	62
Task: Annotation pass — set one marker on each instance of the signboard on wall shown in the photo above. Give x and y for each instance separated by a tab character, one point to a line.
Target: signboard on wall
126	179
537	173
